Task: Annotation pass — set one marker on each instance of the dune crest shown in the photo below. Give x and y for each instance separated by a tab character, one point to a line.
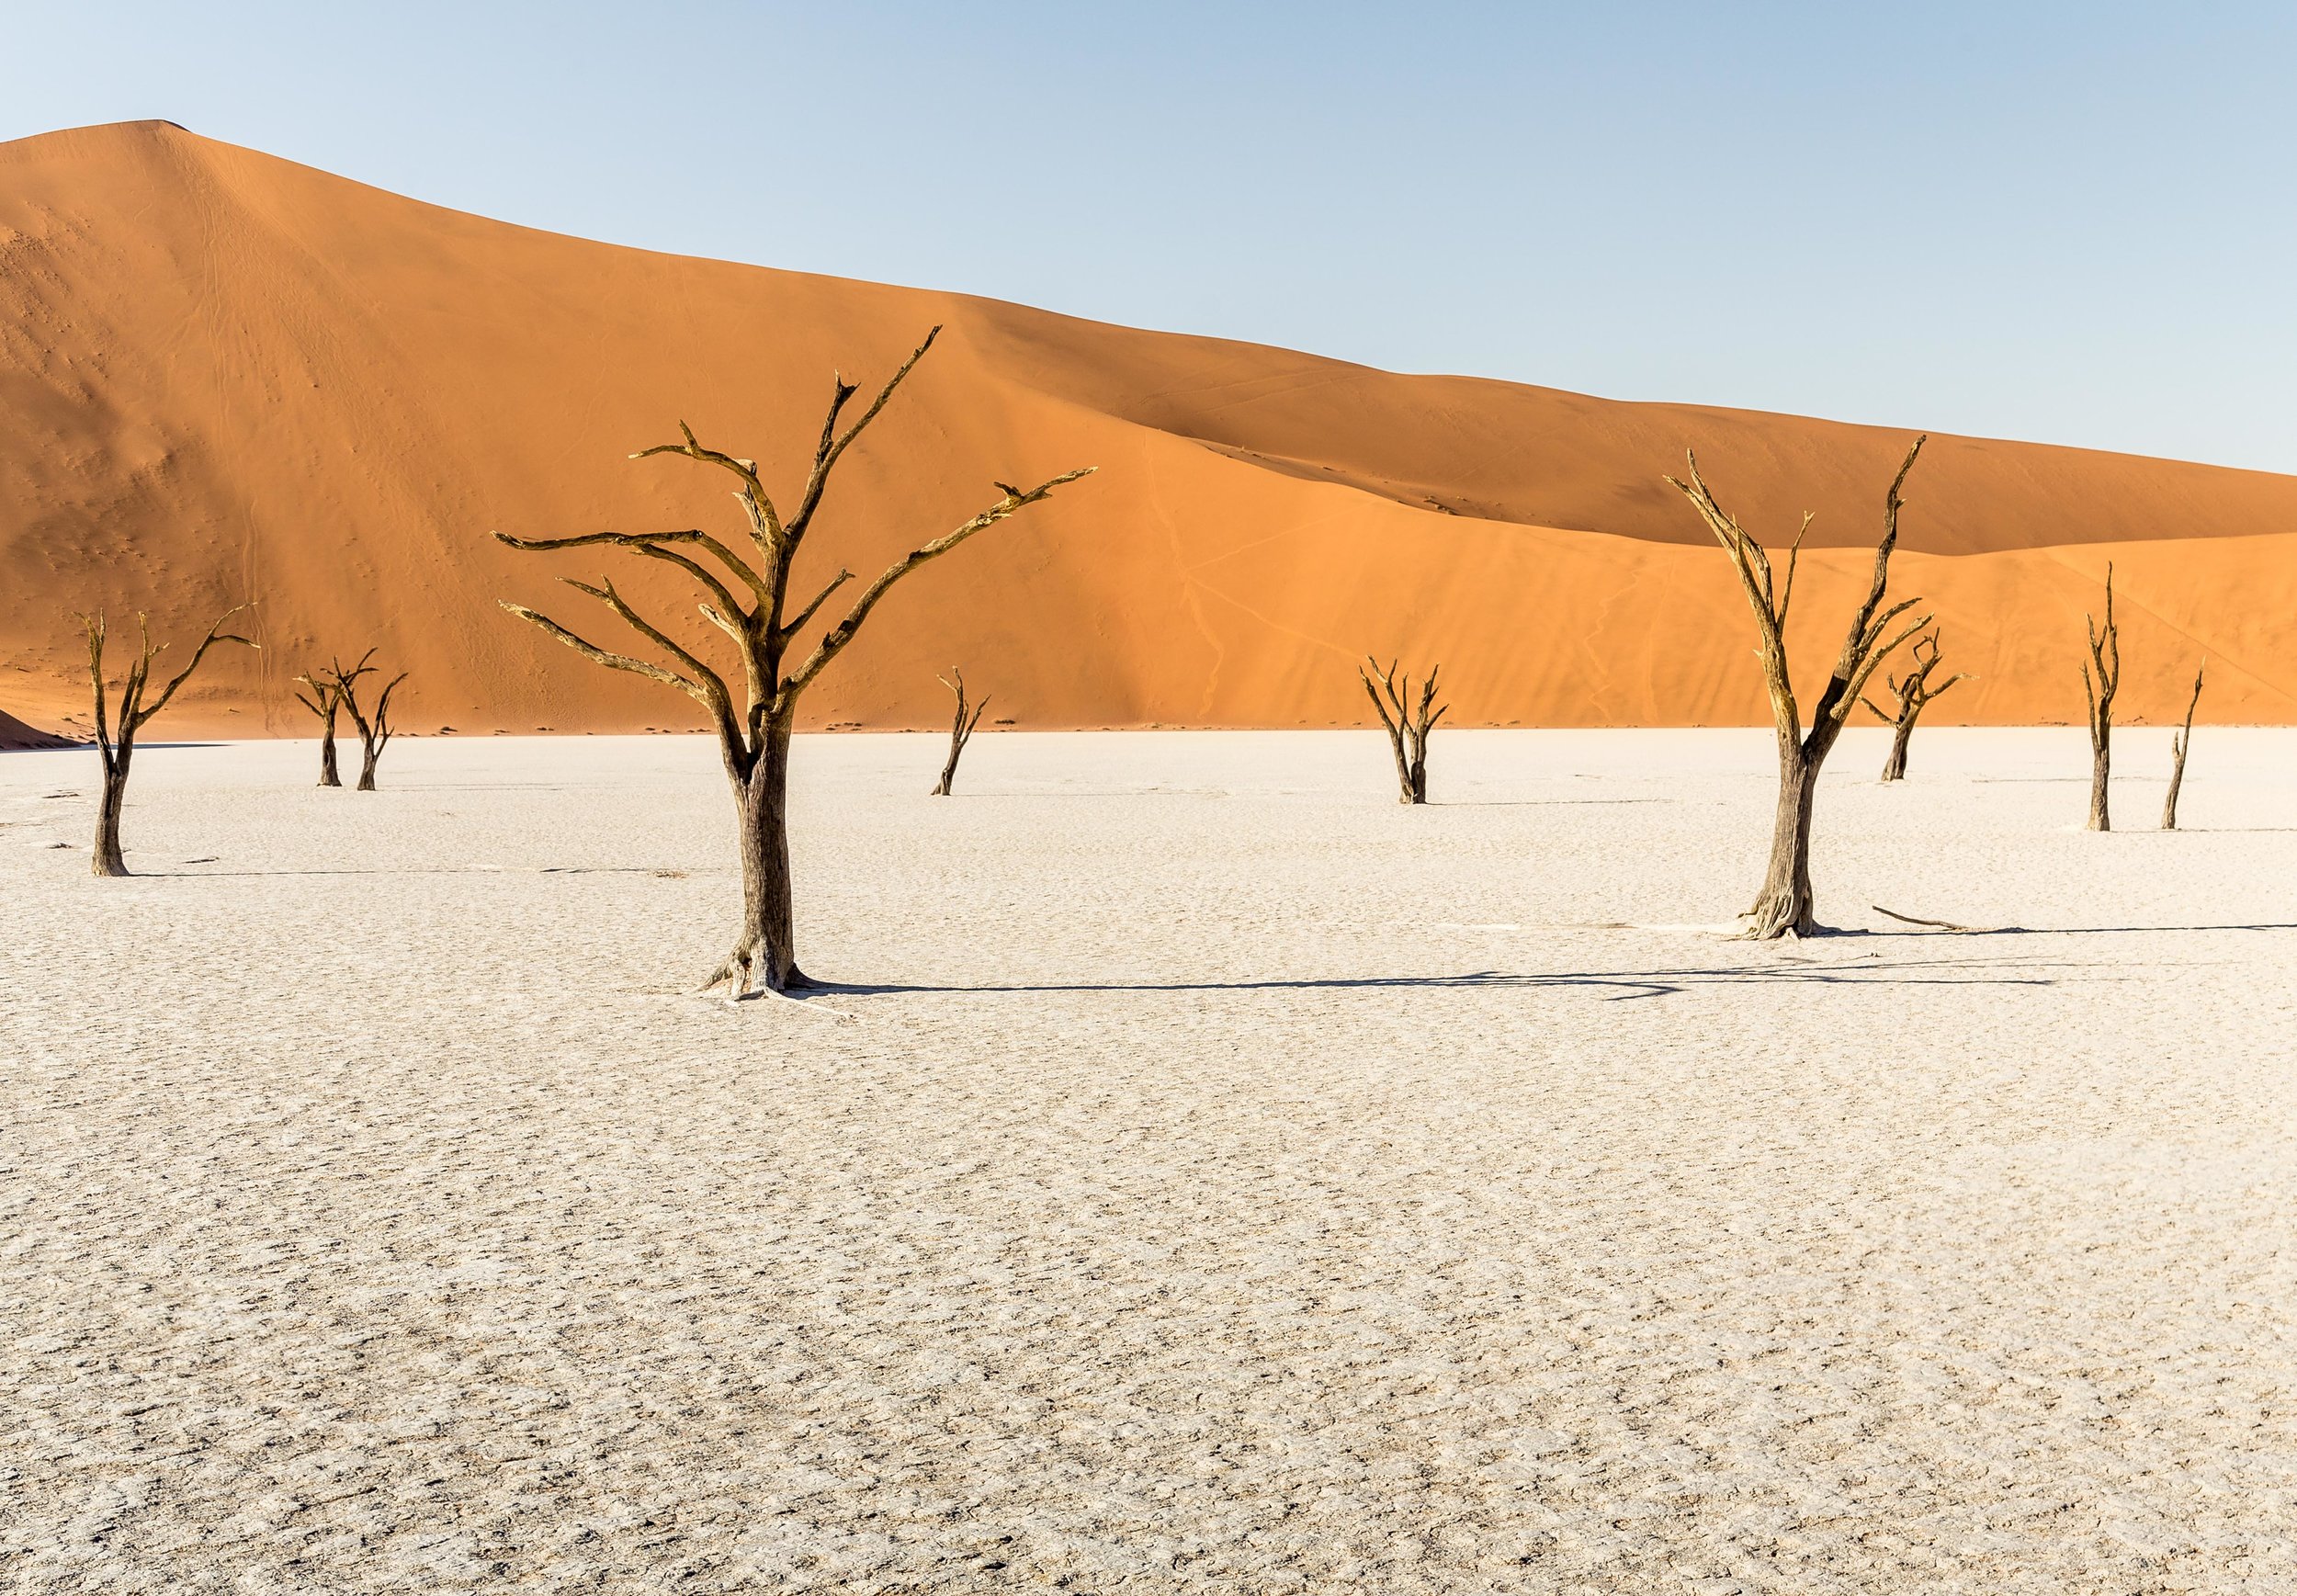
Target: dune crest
225	375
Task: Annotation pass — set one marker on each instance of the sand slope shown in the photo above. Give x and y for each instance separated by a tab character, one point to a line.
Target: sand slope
224	375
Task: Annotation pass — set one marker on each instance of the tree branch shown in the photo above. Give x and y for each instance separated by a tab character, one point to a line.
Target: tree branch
834	444
216	634
834	641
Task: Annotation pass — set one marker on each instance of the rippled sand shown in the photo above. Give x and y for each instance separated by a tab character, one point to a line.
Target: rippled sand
1231	1180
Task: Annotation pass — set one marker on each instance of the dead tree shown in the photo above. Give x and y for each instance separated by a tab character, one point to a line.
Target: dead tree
1784	905
118	745
374	728
1407	728
2177	747
2105	655
1914	696
754	734
960	729
318	694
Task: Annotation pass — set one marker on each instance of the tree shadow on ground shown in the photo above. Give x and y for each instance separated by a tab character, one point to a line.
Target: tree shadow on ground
1621	984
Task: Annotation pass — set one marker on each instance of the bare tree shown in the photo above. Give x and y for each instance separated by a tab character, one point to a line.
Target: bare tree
374	728
960	729
1407	728
1914	696
754	735
319	693
1784	905
118	746
2179	745
2105	655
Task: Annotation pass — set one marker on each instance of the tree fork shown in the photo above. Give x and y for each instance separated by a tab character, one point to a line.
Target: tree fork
117	748
1407	727
960	730
747	602
323	700
1914	696
1786	905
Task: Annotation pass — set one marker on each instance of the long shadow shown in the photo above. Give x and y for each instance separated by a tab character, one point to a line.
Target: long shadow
663	871
1623	984
2063	930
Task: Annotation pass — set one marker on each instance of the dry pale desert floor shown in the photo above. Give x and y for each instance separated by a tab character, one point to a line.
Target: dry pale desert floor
1230	1181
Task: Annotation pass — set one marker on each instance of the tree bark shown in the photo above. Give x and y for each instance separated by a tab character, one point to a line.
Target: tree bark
960	732
368	752
1786	904
1894	767
108	859
2102	679
330	774
2178	745
765	952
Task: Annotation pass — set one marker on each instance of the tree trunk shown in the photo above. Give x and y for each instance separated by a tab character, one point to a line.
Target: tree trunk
1403	766
2100	768
367	755
1784	907
2176	779
330	774
765	954
1416	781
108	859
1894	767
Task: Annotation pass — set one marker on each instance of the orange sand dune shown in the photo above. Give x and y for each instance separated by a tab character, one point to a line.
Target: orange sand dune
226	376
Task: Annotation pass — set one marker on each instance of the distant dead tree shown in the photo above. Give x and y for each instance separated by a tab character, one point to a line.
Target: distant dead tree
374	728
960	729
755	736
2105	655
1914	696
1407	727
318	692
118	746
1784	905
2179	745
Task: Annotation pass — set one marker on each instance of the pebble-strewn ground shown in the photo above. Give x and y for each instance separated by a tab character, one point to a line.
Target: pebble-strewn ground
1232	1182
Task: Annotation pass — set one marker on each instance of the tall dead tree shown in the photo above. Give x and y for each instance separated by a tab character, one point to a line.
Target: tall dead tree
2105	656
318	694
1407	727
373	727
1914	696
2178	745
1784	905
116	741
960	730
754	734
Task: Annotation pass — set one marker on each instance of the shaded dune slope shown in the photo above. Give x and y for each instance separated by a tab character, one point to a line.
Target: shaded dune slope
223	375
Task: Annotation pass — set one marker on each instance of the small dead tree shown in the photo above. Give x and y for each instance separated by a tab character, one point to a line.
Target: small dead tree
754	734
1407	727
2105	657
117	742
318	692
2177	747
960	729
1914	696
374	728
1784	905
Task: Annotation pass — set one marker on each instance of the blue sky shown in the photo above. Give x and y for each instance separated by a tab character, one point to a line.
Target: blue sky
2068	222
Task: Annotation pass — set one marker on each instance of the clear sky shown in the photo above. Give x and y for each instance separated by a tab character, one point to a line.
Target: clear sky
2068	221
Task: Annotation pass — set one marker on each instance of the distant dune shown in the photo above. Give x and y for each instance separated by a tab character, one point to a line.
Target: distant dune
224	375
